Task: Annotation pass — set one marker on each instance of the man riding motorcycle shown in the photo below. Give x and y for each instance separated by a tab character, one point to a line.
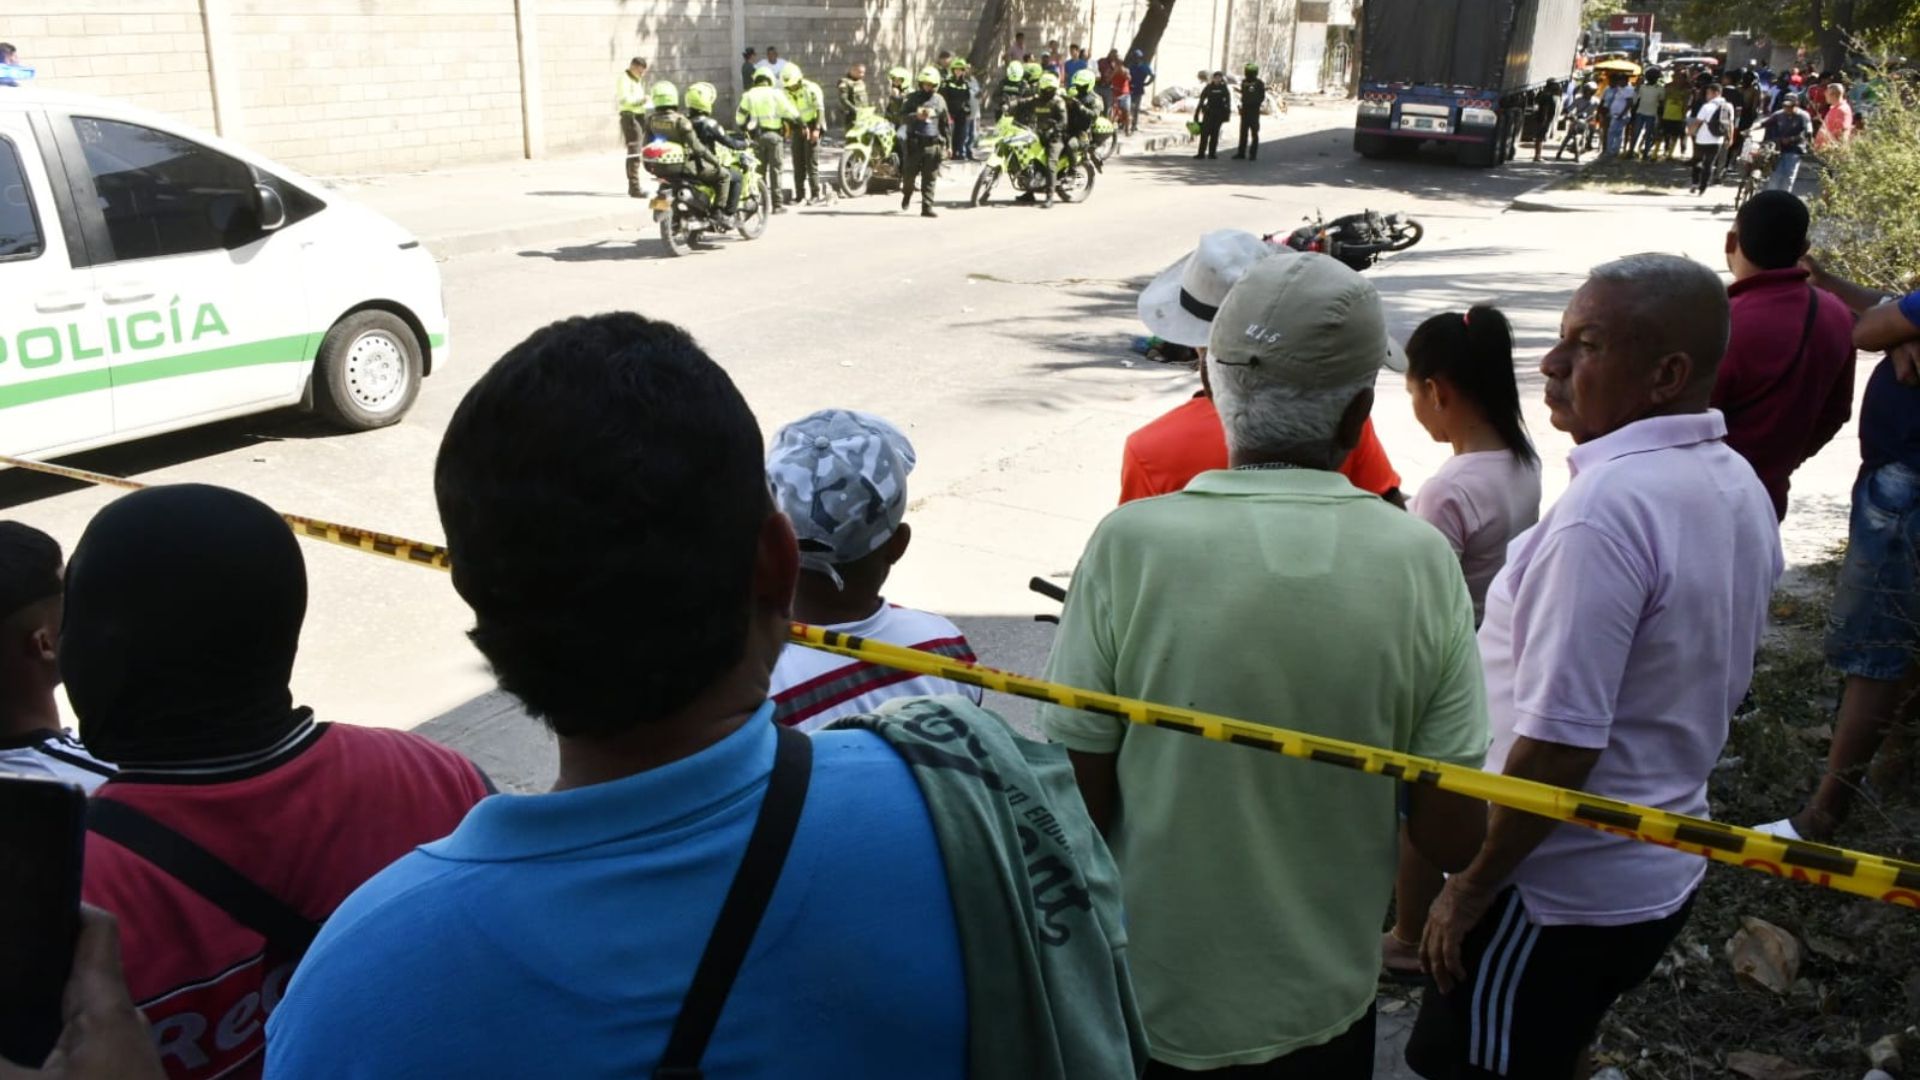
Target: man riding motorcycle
700	98
1044	114
1083	108
665	121
1012	89
764	113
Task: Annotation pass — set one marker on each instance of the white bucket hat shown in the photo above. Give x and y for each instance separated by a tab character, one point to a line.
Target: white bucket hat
1179	305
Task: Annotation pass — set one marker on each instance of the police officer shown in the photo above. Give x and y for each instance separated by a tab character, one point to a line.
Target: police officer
1083	108
667	122
630	98
1012	89
1045	114
810	108
958	94
764	113
924	113
1213	110
724	144
898	87
853	94
1253	97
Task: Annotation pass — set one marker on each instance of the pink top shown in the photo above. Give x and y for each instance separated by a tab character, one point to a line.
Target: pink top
1837	126
1627	621
1480	502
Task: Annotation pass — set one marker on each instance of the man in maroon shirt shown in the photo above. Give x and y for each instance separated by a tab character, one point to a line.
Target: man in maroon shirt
1786	384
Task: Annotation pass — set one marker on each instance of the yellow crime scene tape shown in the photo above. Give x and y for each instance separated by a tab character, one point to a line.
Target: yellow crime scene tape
393	547
1880	878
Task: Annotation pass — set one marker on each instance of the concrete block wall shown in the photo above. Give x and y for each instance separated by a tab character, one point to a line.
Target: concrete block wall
150	52
346	86
342	87
584	44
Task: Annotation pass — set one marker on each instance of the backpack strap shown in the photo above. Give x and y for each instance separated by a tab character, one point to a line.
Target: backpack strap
741	911
200	870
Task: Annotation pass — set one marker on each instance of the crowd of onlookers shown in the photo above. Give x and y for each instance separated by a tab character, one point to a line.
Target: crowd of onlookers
1715	121
764	860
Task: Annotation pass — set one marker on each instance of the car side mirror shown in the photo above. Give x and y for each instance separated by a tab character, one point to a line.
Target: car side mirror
270	207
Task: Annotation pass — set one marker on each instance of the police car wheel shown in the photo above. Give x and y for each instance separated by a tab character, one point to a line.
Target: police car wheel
368	371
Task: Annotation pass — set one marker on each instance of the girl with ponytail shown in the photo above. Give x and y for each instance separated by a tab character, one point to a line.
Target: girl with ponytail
1460	377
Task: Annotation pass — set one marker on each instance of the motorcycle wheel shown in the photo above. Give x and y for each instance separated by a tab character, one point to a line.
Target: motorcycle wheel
1406	234
674	233
856	168
1076	184
983	187
755	212
1106	148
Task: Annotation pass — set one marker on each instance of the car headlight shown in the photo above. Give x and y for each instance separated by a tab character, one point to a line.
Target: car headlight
1479	117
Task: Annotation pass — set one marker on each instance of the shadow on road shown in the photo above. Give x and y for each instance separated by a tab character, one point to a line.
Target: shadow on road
19	487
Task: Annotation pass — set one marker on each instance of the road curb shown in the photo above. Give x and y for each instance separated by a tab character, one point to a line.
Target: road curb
542	233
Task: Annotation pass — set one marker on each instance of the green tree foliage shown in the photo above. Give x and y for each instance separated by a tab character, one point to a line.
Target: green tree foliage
1867	216
1890	25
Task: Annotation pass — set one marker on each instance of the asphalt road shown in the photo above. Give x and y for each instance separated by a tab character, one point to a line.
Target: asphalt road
998	338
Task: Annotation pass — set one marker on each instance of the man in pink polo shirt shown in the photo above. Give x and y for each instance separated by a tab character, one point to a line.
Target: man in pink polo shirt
1618	641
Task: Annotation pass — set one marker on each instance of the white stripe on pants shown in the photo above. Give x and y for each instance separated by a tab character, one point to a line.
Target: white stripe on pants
1495	984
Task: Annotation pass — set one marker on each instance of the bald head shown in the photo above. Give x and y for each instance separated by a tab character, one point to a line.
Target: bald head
1672	305
1643	337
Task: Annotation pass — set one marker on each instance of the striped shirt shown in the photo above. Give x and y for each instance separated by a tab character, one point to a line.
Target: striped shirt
812	689
55	755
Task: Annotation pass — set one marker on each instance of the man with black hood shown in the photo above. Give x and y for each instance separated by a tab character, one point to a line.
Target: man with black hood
239	822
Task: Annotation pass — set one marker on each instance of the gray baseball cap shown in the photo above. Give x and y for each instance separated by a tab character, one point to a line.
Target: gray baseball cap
1305	321
841	477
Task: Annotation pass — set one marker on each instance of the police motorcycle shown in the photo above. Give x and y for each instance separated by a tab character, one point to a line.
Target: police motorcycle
689	210
1357	240
869	156
1103	141
1020	156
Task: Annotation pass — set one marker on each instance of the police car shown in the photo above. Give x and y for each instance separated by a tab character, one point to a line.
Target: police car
153	277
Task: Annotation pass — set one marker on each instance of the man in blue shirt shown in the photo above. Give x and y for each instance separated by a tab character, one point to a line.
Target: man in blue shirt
1140	73
1076	63
604	499
1873	629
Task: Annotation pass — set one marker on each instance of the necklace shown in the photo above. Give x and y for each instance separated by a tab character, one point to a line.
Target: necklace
1267	465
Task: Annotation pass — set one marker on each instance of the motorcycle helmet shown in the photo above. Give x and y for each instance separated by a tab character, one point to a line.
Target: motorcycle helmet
929	76
666	95
959	64
1084	79
1034	71
1049	83
899	76
790	75
700	97
1253	69
762	77
1015	71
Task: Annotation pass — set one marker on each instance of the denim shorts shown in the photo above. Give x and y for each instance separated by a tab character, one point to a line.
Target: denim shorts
1873	627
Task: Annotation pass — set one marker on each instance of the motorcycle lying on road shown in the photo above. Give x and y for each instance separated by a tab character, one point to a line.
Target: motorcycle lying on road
690	210
1357	239
869	155
1020	156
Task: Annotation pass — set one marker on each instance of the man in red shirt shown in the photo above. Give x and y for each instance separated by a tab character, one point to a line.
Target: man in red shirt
238	823
1786	383
1179	445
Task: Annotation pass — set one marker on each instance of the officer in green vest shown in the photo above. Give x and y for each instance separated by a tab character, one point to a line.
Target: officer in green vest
928	128
811	108
1012	89
765	113
853	94
630	100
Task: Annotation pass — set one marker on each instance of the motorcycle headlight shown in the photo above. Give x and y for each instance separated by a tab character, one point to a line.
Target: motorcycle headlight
1478	117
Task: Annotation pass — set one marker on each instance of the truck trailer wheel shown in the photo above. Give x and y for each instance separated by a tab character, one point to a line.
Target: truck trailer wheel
1369	145
1482	155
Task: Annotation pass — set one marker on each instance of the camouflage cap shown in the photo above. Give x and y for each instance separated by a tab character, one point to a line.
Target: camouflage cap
841	476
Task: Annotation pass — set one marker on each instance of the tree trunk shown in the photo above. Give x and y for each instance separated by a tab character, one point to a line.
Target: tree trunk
1359	48
1146	39
986	33
1835	39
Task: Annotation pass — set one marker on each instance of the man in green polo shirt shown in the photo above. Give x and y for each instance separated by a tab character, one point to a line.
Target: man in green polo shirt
1277	592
